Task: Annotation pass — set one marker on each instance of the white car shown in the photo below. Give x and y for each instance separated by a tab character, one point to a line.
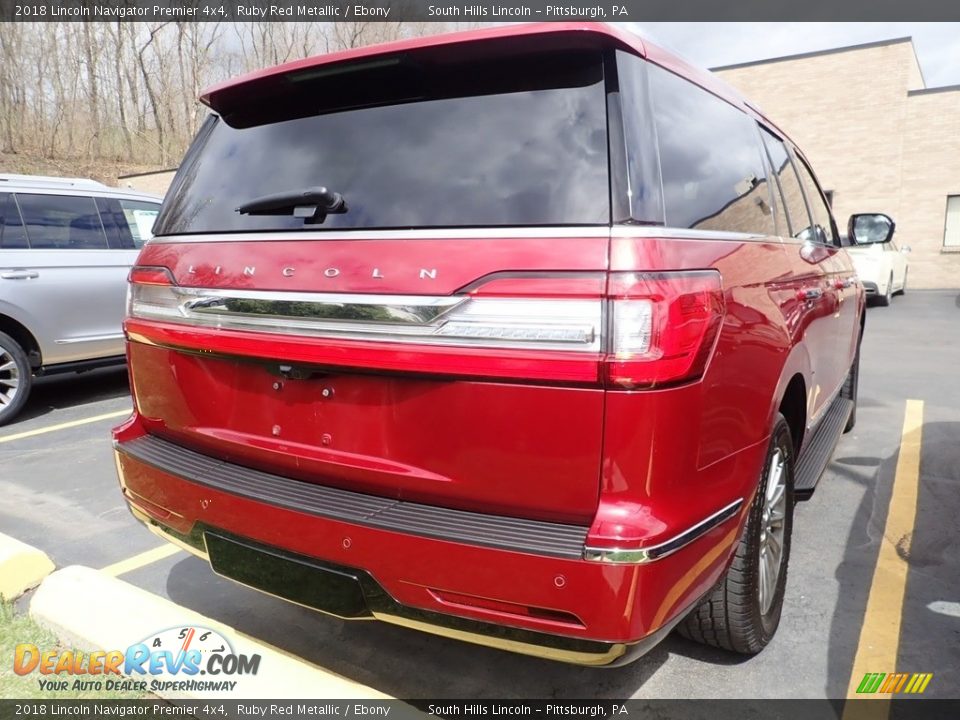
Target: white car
882	268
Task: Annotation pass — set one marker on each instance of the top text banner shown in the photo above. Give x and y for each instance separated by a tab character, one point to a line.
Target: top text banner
473	12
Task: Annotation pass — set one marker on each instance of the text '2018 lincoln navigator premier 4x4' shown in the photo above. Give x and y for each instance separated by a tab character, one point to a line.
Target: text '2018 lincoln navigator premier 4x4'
527	336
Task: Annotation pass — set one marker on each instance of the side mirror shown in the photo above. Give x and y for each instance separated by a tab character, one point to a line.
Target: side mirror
871	228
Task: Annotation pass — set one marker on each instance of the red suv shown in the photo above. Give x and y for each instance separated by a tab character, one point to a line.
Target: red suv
528	336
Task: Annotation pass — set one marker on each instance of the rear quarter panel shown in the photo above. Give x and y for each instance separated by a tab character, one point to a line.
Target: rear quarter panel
675	456
734	395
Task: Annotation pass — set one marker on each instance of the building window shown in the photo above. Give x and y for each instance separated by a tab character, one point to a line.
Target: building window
951	230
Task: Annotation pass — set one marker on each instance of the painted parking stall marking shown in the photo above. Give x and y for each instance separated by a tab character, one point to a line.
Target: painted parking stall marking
880	633
140	560
63	426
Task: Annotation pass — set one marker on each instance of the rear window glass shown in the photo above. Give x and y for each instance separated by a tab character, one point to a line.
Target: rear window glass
505	145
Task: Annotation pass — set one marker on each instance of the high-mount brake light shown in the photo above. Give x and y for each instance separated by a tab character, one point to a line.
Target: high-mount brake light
664	327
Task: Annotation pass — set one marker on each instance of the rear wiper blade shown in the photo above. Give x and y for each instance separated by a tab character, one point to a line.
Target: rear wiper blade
312	204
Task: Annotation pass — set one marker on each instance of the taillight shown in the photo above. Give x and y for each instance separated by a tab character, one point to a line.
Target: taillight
503	323
663	327
150	275
151	292
645	330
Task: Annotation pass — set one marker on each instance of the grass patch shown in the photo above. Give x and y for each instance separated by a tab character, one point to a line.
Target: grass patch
16	628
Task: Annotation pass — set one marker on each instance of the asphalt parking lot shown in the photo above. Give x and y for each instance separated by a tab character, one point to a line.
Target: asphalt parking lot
59	492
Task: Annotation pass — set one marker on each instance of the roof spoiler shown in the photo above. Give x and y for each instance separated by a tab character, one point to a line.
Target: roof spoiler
461	46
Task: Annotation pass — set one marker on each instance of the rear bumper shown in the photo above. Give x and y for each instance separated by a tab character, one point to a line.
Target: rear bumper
514	584
354	594
870	288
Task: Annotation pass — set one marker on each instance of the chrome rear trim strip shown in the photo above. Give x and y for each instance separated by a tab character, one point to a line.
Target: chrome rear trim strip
494	233
641	556
455	320
318	307
585	231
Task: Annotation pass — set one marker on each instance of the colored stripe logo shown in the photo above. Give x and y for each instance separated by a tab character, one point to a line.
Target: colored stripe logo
894	682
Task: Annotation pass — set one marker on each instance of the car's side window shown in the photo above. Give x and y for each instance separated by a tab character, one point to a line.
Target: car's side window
139	217
12	235
798	219
64	222
112	218
711	167
822	222
776	196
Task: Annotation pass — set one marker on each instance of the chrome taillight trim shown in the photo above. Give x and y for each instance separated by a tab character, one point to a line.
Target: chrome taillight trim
569	324
379	309
640	556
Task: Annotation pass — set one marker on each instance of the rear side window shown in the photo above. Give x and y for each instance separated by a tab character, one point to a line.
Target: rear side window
822	225
797	217
140	218
12	235
640	200
472	145
62	222
710	160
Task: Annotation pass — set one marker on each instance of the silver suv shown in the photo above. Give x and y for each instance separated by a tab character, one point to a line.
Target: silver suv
66	246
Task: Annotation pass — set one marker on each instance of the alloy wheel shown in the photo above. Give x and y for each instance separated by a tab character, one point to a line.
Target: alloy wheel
772	529
9	378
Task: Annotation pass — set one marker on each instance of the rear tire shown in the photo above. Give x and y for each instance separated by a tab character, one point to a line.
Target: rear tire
743	612
851	387
16	378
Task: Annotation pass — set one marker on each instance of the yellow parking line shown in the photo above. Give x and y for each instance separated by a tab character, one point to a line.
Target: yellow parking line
63	426
138	561
880	633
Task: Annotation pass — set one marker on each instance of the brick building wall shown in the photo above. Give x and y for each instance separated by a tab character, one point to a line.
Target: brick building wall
876	137
931	172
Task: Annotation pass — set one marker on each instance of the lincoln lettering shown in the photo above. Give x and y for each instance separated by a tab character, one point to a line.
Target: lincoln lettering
290	271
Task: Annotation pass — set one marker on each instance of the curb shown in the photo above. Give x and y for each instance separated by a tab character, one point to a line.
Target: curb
91	610
22	567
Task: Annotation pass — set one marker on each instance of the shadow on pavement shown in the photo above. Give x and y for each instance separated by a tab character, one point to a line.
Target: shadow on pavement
929	631
57	392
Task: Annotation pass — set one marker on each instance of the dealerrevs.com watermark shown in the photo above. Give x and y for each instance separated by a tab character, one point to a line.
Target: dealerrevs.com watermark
183	659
